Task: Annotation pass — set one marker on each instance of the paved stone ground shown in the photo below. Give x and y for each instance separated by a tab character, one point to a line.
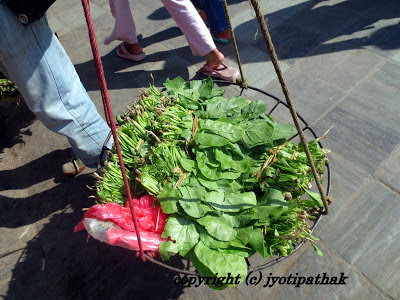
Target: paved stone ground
341	60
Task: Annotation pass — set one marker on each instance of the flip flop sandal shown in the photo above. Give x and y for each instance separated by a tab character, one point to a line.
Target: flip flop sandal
74	167
222	72
219	40
124	53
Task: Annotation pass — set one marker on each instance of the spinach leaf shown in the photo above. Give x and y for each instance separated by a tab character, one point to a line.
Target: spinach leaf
229	186
231	202
209	184
232	161
238	250
237	103
188	98
191	200
230	175
282	131
254	109
232	132
169	200
217	92
210	241
230	219
208	167
257	133
244	234
204	87
257	242
273	197
167	247
174	85
217	107
183	231
218	229
187	164
210	140
219	263
316	198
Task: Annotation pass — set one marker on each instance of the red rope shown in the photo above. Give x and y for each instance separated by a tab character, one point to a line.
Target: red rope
109	114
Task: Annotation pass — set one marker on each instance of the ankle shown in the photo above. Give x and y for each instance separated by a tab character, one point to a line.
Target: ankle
214	59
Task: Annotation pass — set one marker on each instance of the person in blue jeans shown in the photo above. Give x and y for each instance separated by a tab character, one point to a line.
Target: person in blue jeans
33	58
213	13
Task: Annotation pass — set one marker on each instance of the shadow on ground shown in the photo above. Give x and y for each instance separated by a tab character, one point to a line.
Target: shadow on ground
311	31
59	263
173	65
317	27
15	118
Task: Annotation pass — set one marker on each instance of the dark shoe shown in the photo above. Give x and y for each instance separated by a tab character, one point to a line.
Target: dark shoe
74	167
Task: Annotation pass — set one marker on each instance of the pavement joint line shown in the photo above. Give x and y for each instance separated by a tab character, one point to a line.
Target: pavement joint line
367	142
347	93
348	163
357	270
360	191
394	191
380	169
365	186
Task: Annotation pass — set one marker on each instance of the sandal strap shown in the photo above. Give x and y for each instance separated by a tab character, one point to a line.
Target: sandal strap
75	165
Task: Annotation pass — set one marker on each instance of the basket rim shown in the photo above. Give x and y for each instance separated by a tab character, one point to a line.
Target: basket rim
315	222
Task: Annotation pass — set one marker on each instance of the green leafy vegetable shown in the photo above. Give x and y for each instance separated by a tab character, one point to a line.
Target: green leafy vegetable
225	172
183	232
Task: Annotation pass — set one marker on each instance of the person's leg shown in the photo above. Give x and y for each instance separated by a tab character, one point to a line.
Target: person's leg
188	20
124	28
37	63
125	31
199	38
215	13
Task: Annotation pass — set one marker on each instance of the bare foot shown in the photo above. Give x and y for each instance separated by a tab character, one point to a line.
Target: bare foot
214	58
133	48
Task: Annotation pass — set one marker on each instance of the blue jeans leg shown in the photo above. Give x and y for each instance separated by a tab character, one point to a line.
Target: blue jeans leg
215	13
37	63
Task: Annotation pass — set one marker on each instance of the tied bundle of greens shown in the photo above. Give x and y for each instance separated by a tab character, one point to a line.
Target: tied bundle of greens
222	169
7	88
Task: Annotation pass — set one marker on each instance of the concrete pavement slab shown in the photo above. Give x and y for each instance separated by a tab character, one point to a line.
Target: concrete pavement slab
365	235
340	60
311	95
390	172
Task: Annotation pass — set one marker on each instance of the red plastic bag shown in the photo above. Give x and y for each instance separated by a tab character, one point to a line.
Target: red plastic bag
113	224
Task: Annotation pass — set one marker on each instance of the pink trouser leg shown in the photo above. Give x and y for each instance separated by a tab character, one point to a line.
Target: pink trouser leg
124	28
189	21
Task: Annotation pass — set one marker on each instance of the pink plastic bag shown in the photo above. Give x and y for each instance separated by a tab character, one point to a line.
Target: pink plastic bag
113	224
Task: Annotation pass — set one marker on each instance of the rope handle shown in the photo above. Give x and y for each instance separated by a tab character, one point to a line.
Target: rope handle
109	115
274	59
242	81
